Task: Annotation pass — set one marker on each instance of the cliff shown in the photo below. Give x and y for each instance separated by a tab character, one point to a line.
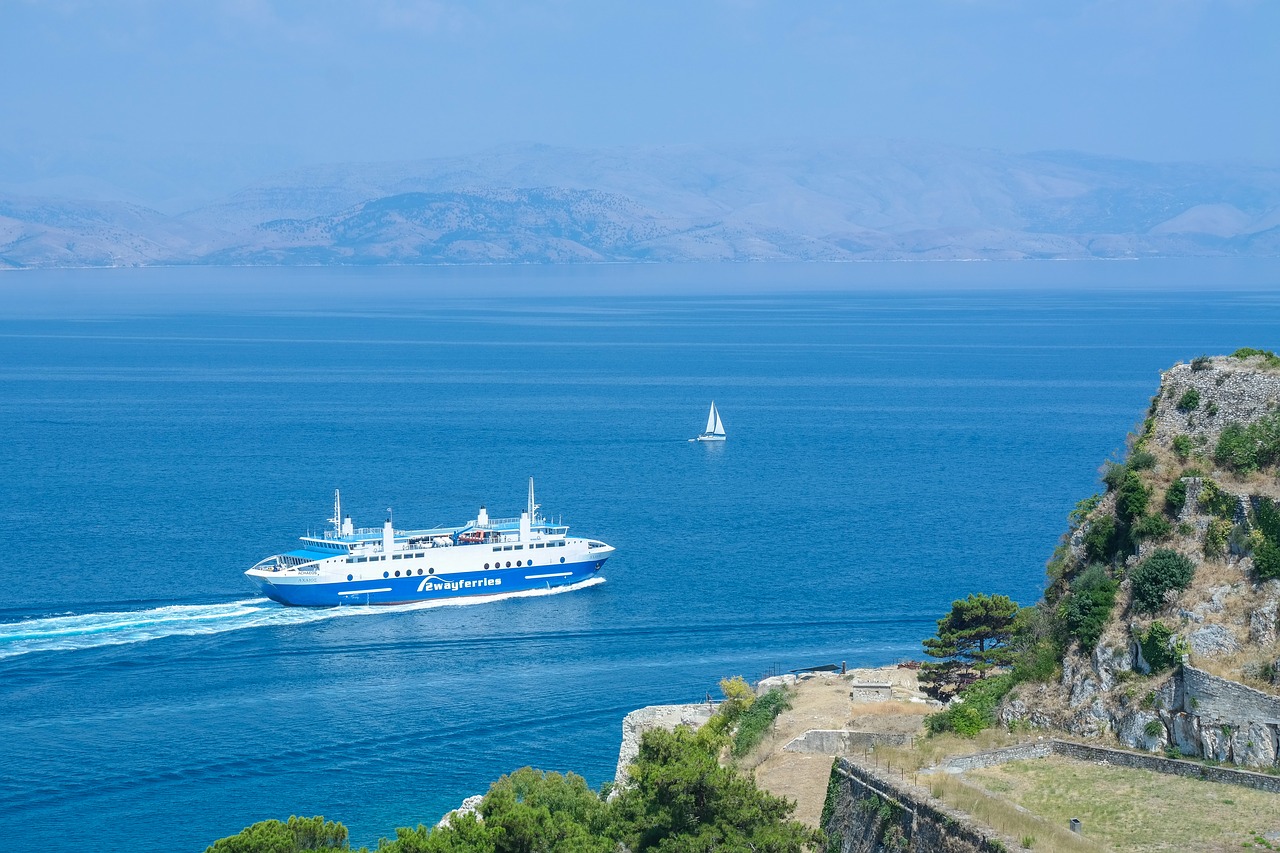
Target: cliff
1165	592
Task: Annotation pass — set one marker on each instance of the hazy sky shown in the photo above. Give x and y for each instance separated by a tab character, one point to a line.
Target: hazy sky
135	93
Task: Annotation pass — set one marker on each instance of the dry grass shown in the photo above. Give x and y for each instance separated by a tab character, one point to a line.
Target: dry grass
997	812
1135	810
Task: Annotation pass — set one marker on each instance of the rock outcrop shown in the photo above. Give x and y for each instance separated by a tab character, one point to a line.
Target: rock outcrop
635	724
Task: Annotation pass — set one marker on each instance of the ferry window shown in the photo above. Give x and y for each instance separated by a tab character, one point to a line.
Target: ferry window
419	570
486	565
433	571
349	577
519	547
508	564
385	575
517	562
497	548
562	559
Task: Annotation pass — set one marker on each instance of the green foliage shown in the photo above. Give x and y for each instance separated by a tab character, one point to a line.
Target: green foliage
1102	539
1113	474
1163	571
1082	510
975	633
1153	728
1087	608
1189	401
975	712
1266	560
1037	649
1248	447
738	697
1266	515
681	799
1201	362
1131	497
755	721
1152	526
1159	649
1217	502
1182	446
1141	460
1269	358
1215	538
1175	496
298	835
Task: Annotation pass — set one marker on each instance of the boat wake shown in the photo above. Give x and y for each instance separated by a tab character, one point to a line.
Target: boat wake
90	630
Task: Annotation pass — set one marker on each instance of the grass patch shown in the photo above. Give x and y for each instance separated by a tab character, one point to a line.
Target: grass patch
755	721
1135	810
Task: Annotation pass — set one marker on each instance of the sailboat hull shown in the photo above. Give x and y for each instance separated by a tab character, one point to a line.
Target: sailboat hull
710	438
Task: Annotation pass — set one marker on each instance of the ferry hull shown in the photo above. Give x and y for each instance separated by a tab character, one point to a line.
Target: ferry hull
318	591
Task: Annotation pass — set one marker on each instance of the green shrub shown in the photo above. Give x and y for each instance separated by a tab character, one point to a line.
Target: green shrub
1131	497
1215	538
1269	358
1182	446
1101	540
1163	571
1141	460
1217	502
1082	510
1201	362
1152	526
1175	496
1189	401
1267	516
976	712
1159	649
755	721
1248	447
1087	608
1153	728
1113	474
299	835
1266	560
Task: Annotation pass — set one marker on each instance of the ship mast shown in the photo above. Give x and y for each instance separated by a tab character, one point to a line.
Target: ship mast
533	507
337	513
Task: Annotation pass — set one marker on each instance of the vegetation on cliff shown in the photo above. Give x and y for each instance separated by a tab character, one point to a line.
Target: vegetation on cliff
680	798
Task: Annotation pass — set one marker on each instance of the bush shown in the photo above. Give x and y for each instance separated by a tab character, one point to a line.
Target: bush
1113	474
1175	497
1159	649
975	712
1164	571
1182	446
1131	497
1266	560
1248	447
1201	362
1082	510
754	721
1101	541
1152	526
1217	502
1269	358
1189	401
1141	460
1087	609
299	835
1267	516
1215	538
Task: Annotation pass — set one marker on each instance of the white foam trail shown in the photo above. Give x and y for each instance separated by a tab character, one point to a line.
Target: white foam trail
90	630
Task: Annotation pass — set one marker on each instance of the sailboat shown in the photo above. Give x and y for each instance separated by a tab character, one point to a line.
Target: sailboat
715	429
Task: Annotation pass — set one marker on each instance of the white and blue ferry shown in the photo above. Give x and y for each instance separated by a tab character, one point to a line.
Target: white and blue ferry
372	565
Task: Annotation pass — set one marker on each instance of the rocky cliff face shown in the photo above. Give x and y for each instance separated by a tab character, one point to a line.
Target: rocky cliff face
1211	690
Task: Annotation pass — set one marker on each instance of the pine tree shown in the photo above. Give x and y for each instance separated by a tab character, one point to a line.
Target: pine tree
974	635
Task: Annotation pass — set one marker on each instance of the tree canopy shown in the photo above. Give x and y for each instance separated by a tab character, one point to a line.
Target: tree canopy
973	635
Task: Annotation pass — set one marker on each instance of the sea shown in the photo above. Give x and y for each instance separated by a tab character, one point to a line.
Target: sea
898	436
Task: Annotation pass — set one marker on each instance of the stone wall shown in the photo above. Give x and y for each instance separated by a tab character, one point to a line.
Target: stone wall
868	813
1116	757
843	741
1230	390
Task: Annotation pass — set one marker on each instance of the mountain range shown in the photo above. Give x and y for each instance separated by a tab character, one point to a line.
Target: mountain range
859	200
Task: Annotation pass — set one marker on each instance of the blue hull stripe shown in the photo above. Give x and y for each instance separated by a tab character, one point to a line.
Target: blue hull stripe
425	587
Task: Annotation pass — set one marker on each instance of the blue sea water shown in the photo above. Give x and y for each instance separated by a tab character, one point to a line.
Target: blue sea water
887	452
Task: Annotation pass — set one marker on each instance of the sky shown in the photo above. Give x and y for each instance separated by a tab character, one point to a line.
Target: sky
144	98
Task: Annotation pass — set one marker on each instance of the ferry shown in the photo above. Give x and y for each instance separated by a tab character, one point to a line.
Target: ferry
346	565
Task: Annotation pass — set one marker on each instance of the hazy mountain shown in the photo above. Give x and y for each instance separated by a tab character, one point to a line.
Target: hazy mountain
868	199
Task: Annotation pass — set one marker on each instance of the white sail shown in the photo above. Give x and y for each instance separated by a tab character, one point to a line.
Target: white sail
713	419
719	430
